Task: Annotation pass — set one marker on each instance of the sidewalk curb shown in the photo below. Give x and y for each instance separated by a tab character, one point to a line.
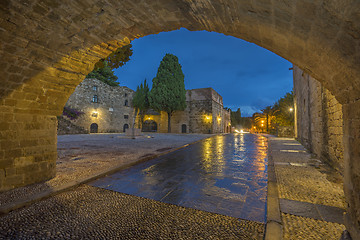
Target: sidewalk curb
5	209
274	226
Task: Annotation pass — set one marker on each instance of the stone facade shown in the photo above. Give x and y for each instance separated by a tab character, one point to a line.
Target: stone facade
319	119
108	108
204	113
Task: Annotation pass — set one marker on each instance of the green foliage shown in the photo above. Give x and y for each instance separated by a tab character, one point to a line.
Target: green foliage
116	59
168	90
103	69
283	115
141	100
277	115
245	122
235	117
269	117
238	121
105	74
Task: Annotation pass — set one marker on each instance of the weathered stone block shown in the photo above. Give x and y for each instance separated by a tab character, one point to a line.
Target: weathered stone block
13	181
10	171
23	161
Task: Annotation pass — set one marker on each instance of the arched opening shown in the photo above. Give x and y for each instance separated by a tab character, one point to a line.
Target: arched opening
126	126
319	37
149	126
183	128
93	128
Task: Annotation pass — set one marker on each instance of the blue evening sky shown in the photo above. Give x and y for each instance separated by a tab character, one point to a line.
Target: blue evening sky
247	76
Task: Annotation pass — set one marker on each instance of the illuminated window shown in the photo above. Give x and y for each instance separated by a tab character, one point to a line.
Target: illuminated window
95	99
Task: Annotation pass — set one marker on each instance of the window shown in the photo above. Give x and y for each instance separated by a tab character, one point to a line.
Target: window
95	88
95	99
125	94
126	116
126	103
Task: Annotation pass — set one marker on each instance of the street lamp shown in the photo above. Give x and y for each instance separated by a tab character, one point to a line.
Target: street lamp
291	109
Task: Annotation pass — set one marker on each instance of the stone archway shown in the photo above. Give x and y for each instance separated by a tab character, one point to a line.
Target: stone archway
183	128
94	128
126	126
149	126
47	48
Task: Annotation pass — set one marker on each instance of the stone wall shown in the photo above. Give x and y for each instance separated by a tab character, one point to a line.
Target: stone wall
111	110
285	131
319	119
65	126
33	157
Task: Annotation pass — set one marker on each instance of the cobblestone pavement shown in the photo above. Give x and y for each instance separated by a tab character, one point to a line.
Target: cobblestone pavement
309	191
85	155
298	228
94	213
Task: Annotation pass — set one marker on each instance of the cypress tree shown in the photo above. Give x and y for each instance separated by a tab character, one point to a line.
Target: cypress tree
168	90
141	101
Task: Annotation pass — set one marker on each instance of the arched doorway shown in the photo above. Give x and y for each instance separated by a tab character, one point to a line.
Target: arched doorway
149	126
126	126
183	128
94	128
320	37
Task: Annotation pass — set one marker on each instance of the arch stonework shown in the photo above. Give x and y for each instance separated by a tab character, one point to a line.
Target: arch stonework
47	48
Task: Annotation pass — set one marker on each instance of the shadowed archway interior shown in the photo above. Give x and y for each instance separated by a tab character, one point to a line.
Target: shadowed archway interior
48	47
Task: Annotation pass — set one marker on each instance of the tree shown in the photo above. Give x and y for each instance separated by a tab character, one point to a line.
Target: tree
103	69
235	117
116	59
285	117
168	90
104	74
141	101
269	114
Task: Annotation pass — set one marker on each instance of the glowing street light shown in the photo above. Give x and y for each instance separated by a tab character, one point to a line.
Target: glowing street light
94	114
291	109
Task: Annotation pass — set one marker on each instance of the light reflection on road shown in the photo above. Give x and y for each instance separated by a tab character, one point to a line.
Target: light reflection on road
225	174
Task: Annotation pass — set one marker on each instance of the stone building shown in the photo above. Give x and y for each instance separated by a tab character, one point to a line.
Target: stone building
318	119
108	109
204	113
105	108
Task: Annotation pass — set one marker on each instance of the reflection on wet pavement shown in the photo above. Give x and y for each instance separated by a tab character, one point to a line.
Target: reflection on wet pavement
225	174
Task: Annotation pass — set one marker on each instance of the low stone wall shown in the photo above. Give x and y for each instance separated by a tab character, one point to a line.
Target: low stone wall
287	131
67	127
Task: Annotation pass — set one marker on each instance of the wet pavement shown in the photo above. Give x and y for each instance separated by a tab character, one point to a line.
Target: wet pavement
224	174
